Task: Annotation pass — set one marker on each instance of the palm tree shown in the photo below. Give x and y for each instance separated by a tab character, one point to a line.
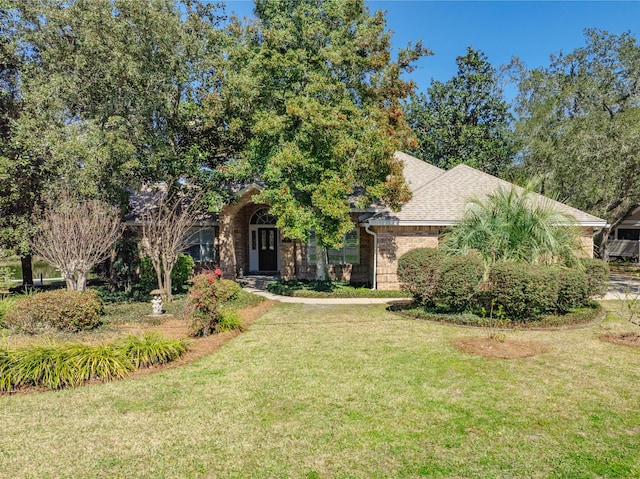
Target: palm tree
515	225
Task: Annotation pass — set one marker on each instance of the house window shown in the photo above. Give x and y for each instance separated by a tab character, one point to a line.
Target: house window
201	245
628	234
348	254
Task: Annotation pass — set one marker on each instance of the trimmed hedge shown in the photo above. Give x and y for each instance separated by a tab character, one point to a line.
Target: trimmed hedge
598	276
62	310
573	289
523	291
420	273
460	280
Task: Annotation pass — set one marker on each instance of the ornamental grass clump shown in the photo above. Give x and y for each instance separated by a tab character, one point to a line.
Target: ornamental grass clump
205	301
58	366
152	349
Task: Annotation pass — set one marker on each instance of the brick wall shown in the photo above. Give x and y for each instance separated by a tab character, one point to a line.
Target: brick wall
393	242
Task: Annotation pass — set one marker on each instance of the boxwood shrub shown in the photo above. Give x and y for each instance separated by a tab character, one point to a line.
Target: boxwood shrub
524	290
69	311
420	273
460	281
597	276
573	289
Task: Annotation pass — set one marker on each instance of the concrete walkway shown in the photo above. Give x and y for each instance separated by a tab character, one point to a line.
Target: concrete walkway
623	287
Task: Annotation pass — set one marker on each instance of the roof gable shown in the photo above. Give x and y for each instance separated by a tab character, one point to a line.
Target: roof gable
443	200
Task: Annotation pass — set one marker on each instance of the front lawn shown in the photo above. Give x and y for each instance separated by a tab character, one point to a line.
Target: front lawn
346	391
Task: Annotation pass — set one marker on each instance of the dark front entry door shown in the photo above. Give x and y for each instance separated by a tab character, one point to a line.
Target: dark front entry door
267	249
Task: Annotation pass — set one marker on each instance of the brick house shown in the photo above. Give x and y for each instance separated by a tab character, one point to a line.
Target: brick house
245	239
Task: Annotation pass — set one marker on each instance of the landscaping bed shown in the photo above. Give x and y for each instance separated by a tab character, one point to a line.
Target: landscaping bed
579	317
329	289
123	324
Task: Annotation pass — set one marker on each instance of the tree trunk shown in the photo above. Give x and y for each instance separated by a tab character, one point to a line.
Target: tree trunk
27	271
70	280
81	283
321	263
167	285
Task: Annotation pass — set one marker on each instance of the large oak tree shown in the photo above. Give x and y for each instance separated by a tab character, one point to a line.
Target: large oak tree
580	125
313	97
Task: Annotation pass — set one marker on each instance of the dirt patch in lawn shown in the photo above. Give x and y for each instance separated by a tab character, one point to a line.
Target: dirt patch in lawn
626	339
500	349
198	347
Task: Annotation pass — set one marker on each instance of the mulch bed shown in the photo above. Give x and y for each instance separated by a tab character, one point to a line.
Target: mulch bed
198	347
625	339
500	348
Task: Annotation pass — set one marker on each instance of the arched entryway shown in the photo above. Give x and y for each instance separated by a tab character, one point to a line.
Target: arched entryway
263	242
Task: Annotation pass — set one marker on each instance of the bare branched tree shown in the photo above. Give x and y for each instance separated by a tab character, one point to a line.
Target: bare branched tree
75	235
166	224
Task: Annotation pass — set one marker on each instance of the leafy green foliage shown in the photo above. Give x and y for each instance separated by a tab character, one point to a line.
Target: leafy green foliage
573	289
597	274
579	123
5	304
70	365
515	225
309	84
63	310
181	272
460	280
465	120
524	291
328	289
152	349
204	301
514	290
420	273
433	277
229	320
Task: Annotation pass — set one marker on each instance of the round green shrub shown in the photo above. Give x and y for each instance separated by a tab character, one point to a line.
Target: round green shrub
69	311
524	291
420	273
597	275
573	289
460	280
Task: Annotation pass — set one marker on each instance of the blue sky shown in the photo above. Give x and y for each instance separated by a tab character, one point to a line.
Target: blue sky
530	30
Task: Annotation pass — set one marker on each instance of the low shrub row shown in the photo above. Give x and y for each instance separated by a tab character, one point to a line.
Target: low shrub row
328	289
522	291
69	365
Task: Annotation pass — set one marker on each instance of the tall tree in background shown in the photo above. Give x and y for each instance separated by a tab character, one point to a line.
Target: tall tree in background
580	125
314	96
465	120
109	96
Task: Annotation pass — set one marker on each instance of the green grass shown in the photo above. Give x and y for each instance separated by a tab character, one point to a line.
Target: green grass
329	289
345	392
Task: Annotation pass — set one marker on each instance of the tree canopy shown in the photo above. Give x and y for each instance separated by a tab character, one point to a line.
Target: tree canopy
313	96
464	120
580	125
102	96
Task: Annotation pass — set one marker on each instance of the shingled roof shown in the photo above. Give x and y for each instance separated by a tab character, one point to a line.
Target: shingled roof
440	197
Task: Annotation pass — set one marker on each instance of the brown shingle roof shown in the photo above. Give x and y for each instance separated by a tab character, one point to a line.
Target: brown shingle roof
443	199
